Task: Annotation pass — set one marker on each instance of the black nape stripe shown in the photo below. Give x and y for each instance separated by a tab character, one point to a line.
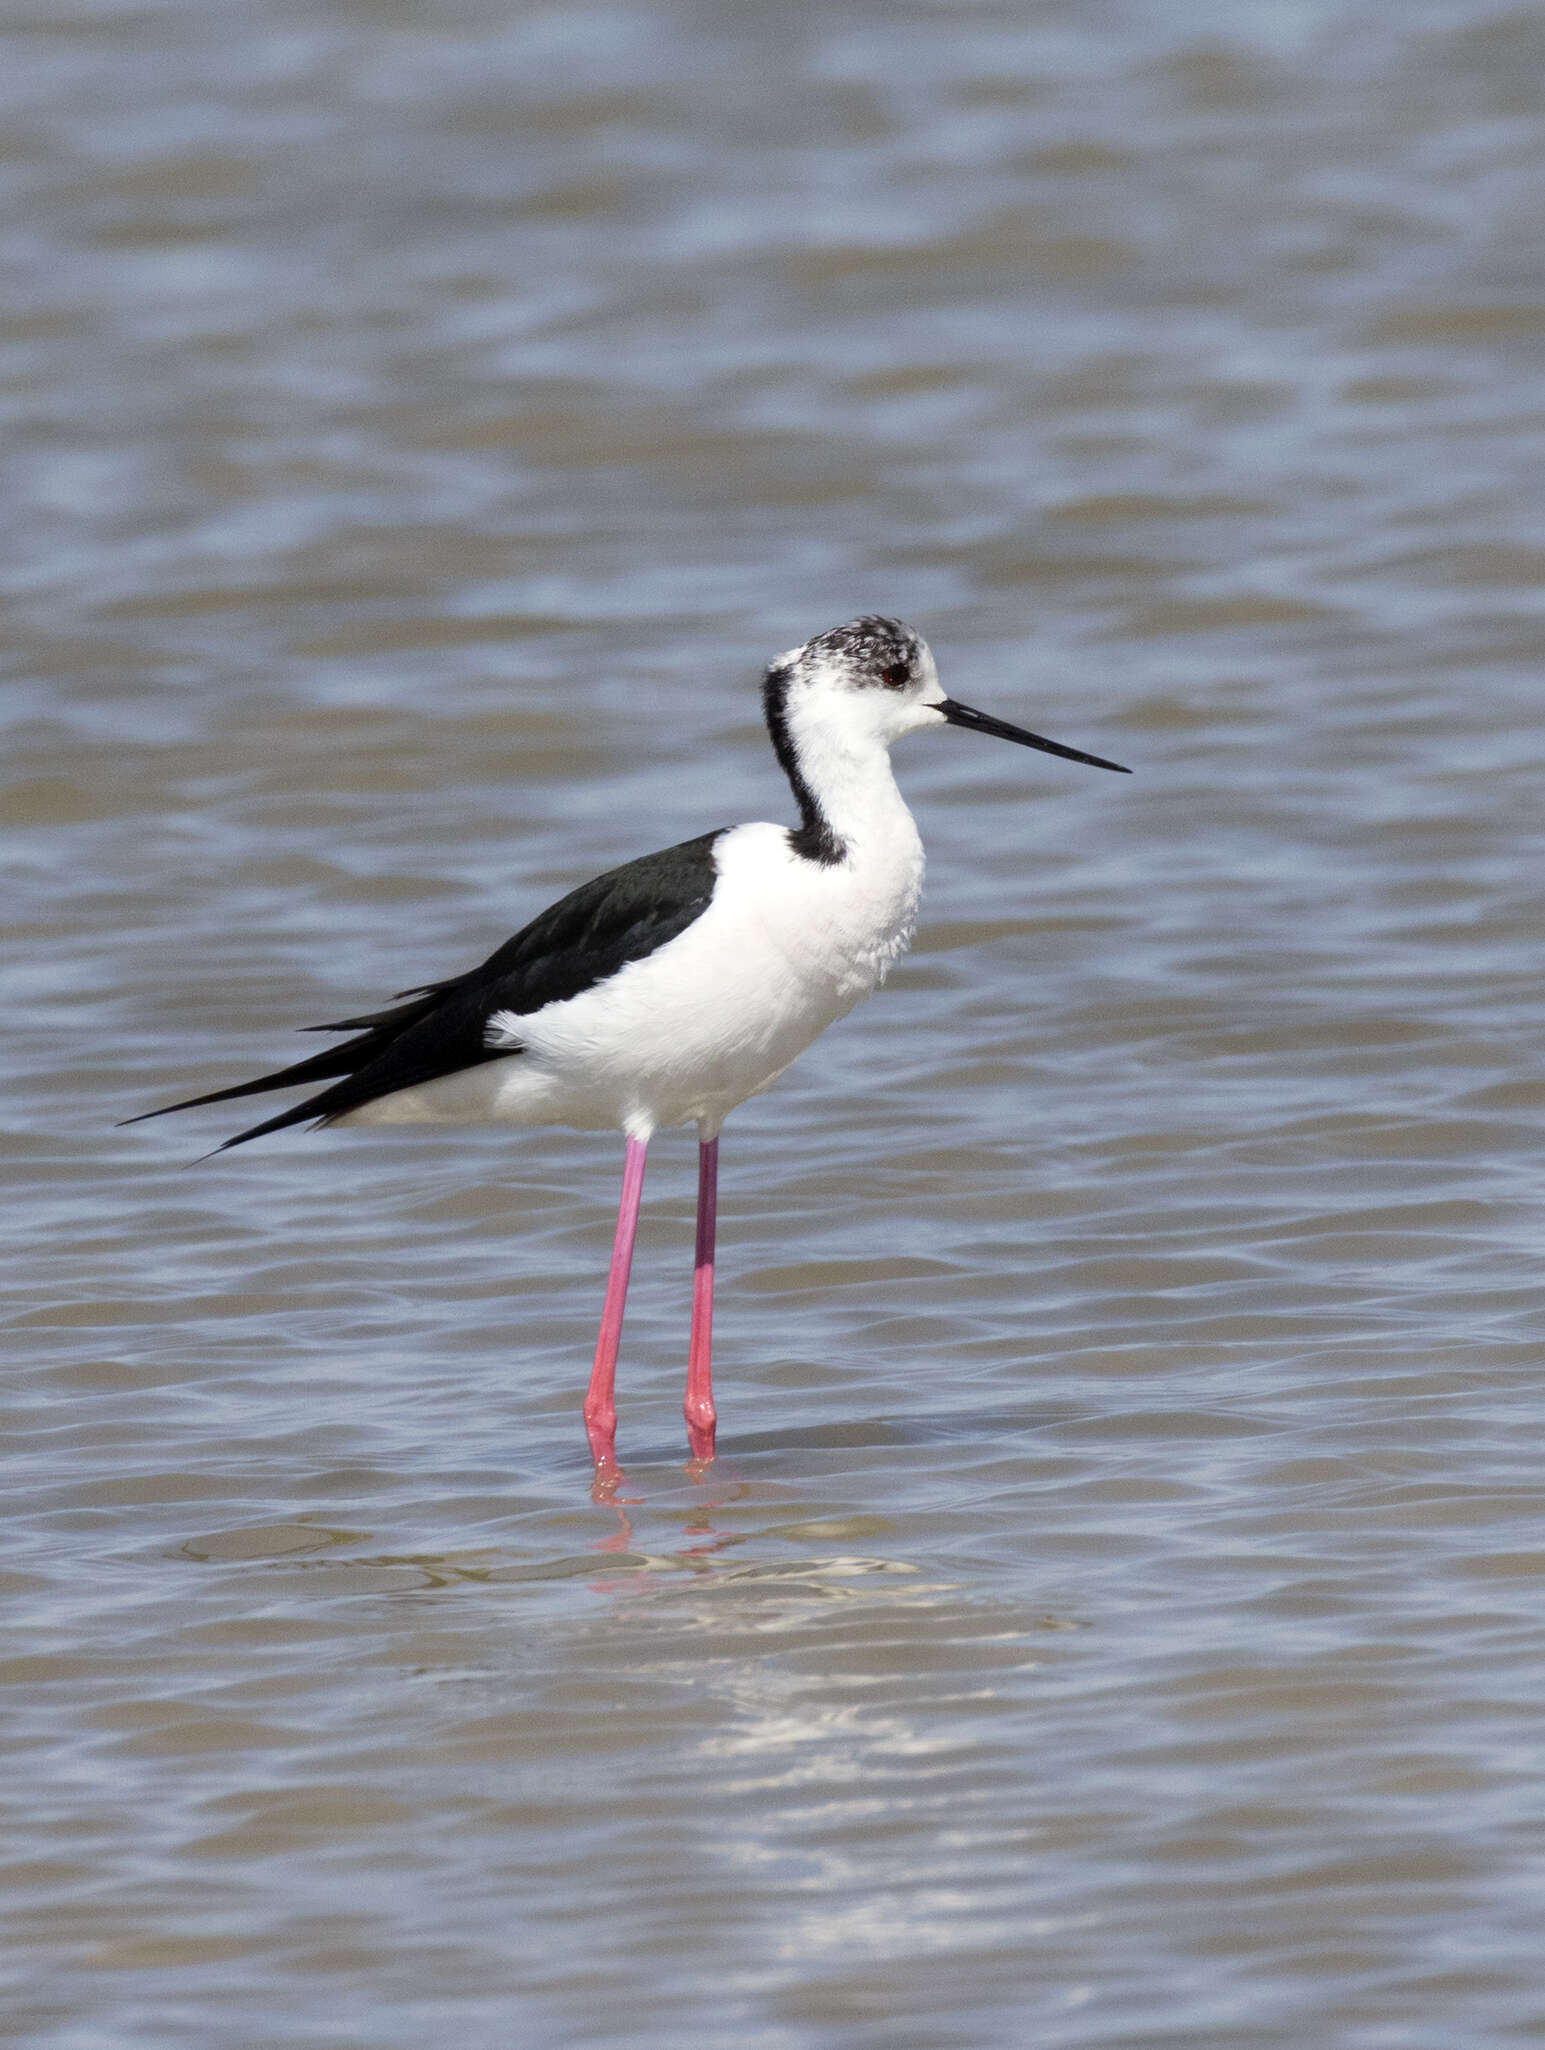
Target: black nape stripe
813	839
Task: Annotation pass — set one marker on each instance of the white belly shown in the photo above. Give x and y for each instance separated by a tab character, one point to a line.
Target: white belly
785	949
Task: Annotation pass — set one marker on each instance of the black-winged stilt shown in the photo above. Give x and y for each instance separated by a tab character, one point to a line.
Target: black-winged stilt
671	989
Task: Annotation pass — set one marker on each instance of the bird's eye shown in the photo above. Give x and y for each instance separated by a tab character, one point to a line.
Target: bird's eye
897	676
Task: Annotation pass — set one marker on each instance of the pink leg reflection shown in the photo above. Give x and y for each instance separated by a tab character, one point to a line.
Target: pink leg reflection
601	1395
700	1413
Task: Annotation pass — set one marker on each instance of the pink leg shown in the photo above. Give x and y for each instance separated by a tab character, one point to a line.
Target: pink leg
700	1413
600	1396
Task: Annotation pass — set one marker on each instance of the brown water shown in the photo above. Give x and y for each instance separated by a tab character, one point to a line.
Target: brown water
1118	1615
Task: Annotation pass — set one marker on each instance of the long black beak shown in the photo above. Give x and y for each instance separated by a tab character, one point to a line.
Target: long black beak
980	722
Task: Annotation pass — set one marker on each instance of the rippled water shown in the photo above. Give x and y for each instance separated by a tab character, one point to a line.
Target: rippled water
1116	1618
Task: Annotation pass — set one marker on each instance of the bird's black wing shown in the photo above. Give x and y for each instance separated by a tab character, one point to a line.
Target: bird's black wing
579	941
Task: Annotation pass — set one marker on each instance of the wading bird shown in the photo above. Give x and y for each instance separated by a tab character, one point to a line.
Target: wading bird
671	989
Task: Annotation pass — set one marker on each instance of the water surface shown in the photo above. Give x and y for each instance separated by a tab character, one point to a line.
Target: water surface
1116	1616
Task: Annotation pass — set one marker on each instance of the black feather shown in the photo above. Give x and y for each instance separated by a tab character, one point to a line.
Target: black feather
618	917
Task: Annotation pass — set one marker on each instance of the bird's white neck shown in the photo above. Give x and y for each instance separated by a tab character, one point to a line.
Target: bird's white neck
840	773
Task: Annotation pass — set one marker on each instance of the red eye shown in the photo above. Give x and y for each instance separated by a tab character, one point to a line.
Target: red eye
897	676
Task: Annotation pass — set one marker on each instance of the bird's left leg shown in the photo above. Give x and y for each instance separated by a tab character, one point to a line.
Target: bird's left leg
600	1397
700	1413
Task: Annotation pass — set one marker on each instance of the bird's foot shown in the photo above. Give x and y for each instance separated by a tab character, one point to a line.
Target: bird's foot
700	1440
609	1477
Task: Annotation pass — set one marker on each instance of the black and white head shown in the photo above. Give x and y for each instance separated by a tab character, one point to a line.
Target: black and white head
867	683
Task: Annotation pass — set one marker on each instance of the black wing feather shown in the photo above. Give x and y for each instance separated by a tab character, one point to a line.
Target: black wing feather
579	941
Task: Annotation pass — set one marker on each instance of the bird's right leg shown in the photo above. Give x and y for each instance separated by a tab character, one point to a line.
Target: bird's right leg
699	1404
600	1396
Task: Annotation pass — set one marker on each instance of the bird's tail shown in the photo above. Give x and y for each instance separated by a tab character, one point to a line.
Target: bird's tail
376	1033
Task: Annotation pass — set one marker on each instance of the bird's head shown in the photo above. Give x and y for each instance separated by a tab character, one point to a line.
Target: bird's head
873	680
